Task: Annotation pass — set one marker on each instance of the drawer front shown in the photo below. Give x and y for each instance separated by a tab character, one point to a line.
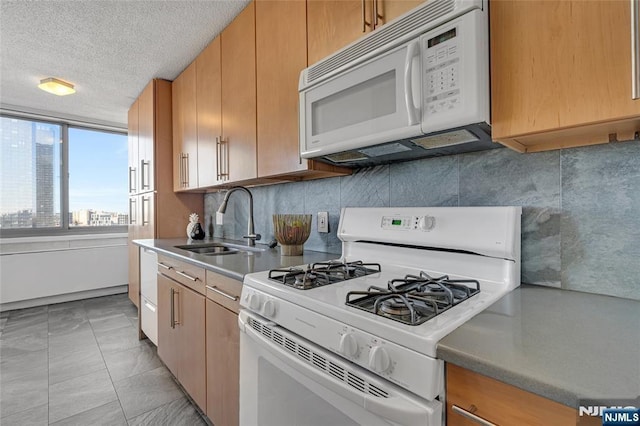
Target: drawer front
471	395
190	276
149	319
224	290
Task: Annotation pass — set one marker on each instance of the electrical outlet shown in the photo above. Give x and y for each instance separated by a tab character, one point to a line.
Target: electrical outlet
323	222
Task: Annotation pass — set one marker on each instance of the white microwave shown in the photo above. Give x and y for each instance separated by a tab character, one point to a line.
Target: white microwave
416	87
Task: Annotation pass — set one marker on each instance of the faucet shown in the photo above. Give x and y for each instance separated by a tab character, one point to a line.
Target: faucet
251	233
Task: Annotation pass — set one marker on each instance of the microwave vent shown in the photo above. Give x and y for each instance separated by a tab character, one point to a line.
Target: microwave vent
390	35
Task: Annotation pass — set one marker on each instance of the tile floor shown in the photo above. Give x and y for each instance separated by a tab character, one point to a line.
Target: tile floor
81	363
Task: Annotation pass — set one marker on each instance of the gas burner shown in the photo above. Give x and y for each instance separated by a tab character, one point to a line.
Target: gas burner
414	299
305	280
322	273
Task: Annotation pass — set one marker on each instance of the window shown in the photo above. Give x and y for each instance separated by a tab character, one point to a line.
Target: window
37	198
97	178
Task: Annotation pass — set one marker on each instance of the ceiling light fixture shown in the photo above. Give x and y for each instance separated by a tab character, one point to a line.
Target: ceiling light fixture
57	87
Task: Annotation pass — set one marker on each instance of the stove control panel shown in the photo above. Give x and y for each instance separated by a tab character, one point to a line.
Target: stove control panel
407	223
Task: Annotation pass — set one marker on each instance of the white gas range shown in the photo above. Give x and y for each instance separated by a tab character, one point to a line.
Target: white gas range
354	341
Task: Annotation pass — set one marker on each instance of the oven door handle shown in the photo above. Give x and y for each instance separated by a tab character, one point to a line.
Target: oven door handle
402	409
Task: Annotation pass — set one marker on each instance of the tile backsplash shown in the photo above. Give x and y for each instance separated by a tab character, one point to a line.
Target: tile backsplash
581	207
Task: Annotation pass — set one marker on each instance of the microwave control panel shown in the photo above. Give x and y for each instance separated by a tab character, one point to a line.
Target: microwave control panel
441	53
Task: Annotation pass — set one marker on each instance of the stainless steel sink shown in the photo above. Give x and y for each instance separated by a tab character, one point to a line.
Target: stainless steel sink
209	249
216	249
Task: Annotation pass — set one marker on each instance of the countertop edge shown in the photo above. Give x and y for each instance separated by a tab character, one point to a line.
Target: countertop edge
529	384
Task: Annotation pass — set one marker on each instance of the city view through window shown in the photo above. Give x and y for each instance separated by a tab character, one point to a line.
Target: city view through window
31	181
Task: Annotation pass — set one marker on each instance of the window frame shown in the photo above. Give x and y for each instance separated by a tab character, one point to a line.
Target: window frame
64	228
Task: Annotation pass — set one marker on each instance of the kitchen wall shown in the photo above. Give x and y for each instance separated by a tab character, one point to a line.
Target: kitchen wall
581	207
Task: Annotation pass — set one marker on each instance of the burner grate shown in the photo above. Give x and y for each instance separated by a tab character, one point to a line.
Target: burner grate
414	299
322	273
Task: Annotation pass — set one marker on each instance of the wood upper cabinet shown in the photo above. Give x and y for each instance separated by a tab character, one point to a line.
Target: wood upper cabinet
281	54
209	114
181	336
223	365
146	138
561	73
470	394
337	23
185	133
238	53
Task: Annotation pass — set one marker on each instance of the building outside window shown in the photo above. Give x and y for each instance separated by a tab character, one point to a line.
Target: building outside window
56	178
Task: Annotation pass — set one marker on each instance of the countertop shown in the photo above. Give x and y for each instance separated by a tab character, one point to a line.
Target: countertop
563	345
235	265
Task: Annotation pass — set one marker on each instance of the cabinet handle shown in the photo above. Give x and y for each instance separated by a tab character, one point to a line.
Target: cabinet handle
218	153
187	276
635	50
145	212
132	177
132	210
365	24
471	416
144	183
180	169
162	265
173	309
224	164
186	168
222	293
376	14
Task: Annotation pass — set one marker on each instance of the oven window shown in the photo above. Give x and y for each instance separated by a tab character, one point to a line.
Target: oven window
365	101
285	401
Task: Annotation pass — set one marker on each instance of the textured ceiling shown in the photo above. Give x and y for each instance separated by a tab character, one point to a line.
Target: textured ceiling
108	49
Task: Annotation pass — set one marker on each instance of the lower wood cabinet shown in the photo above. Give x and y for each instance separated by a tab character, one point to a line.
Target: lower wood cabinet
472	398
223	349
223	365
181	336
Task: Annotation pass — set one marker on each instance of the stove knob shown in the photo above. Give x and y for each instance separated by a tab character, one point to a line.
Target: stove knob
269	308
379	360
254	301
427	223
348	345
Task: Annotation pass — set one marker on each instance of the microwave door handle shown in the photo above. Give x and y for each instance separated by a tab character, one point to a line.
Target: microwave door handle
412	112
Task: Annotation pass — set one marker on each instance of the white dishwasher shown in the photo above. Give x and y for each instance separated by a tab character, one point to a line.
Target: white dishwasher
149	293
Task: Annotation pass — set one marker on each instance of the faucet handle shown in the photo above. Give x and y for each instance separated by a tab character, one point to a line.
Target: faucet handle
255	237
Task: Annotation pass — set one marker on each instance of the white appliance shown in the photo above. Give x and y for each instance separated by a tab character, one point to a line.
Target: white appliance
416	87
149	293
354	341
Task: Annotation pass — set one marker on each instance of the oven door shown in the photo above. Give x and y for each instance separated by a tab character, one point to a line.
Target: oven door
287	380
378	101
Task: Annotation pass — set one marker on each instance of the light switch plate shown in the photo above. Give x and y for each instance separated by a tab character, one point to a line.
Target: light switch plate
323	222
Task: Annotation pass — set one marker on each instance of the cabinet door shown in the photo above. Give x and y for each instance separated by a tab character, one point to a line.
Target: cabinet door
146	122
238	51
281	53
132	139
560	65
192	359
334	24
168	332
209	110
498	402
185	134
223	365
